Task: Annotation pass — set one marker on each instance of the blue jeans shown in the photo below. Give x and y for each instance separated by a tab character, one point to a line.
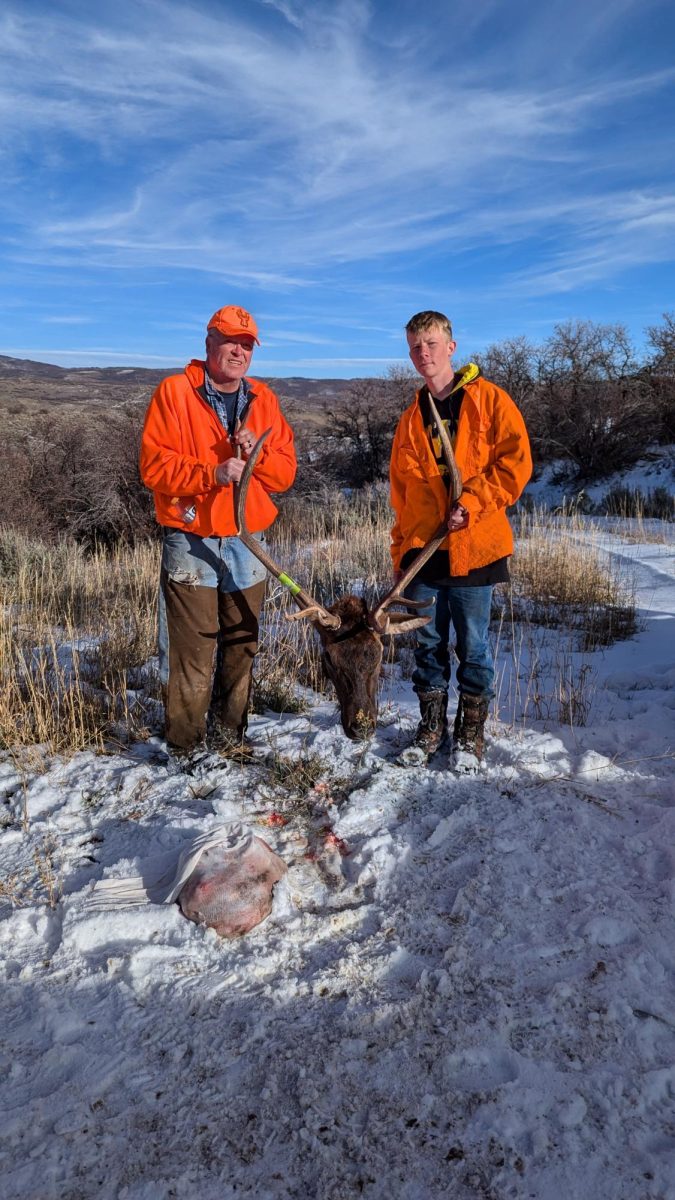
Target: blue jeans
468	608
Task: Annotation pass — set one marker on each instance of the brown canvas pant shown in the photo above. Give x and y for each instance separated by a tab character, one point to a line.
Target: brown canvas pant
213	639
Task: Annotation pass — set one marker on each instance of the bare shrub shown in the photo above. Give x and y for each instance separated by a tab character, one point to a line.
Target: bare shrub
20	507
661	372
357	445
593	406
662	340
512	365
77	474
633	504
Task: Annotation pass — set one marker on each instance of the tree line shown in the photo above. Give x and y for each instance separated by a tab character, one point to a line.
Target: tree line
586	397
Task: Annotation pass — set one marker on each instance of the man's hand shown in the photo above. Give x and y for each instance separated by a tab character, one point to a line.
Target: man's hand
458	517
244	438
229	471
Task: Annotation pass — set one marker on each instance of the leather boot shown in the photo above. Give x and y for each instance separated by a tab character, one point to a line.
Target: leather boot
432	729
468	734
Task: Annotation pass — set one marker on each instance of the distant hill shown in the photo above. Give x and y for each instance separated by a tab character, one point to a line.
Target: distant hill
27	387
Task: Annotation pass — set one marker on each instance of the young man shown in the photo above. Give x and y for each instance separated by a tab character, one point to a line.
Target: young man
211	586
492	451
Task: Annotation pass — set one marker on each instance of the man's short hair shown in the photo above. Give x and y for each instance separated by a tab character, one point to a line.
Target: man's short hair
423	321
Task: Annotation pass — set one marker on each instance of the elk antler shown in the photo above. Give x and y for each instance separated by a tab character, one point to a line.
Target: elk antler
379	618
450	460
310	607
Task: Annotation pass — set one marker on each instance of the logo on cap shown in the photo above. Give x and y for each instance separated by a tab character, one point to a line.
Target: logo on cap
232	320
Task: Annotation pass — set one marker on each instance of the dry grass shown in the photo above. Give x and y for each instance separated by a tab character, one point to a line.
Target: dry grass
541	677
77	631
41	884
337	544
74	629
562	581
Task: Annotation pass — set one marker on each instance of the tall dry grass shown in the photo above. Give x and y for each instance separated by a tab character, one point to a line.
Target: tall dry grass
561	579
77	631
339	543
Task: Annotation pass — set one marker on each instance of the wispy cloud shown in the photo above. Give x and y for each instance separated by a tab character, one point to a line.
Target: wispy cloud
292	12
56	320
89	357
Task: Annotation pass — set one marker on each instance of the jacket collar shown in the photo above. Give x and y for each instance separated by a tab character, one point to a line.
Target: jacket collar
464	378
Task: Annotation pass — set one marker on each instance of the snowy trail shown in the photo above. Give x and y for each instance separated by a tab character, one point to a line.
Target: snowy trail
477	1002
644	664
652	566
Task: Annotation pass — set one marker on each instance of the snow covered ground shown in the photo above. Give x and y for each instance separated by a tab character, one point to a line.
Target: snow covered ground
556	486
470	994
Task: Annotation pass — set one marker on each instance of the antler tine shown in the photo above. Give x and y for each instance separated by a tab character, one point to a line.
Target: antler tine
448	454
425	553
300	596
394	595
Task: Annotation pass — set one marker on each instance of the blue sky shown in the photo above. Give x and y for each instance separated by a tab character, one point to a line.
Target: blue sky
334	166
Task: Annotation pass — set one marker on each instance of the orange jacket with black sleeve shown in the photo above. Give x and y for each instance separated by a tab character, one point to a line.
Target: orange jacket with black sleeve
492	450
183	442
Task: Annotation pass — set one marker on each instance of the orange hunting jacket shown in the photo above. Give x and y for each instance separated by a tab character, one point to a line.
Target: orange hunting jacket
493	455
183	442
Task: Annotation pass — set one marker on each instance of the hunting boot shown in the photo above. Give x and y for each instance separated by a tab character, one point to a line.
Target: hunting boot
468	735
432	729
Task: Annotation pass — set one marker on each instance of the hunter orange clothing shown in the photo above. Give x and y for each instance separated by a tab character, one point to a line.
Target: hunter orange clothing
183	442
492	450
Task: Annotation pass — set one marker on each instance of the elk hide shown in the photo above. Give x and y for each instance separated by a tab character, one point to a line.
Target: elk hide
223	878
231	890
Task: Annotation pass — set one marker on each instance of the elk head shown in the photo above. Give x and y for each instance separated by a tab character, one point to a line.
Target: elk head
350	633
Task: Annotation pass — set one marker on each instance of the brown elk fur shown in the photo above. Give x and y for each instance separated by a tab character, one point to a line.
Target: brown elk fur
351	657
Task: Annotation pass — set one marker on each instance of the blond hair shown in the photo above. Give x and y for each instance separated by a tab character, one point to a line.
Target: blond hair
423	321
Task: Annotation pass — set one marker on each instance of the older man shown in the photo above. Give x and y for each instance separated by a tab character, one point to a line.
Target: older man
493	455
199	429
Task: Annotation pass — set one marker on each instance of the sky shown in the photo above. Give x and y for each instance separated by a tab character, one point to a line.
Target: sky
334	166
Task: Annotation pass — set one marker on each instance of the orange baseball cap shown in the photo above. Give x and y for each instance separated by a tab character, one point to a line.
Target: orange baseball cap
234	320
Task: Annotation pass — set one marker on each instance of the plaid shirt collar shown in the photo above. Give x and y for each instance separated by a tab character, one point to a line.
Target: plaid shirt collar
227	413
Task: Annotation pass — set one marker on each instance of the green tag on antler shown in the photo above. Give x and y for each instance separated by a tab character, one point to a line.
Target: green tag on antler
292	586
